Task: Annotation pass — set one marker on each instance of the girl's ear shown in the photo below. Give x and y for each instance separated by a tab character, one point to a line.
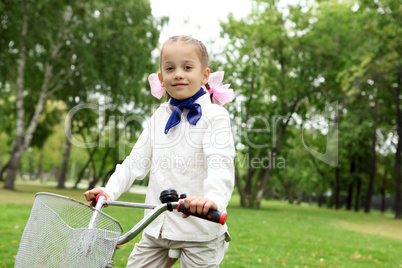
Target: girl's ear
160	78
207	72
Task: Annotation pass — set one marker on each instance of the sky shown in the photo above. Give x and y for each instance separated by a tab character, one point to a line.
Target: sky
199	19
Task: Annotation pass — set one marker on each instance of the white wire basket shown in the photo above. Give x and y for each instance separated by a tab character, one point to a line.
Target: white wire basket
57	235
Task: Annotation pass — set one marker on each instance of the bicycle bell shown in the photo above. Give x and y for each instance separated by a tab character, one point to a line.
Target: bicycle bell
170	195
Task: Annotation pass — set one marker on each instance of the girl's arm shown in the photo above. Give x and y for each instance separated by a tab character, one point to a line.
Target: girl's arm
135	167
219	151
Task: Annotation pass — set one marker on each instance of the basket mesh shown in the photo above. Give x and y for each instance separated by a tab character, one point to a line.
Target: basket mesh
57	235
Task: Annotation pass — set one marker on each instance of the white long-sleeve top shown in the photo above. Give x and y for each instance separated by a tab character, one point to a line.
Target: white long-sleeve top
195	160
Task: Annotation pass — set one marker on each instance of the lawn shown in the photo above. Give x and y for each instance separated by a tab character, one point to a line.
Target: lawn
276	235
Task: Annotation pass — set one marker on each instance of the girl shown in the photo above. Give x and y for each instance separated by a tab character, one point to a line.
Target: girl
187	146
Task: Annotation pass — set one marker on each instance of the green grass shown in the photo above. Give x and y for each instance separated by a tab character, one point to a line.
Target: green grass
276	235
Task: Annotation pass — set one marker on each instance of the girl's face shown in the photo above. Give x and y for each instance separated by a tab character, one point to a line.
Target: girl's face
182	73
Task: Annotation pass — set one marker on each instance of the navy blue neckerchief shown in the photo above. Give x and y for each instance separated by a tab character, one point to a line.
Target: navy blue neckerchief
194	110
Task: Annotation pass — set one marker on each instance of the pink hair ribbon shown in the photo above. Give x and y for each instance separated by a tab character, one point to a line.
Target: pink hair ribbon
221	94
156	88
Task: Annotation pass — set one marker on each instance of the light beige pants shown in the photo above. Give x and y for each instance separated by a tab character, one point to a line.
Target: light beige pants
151	252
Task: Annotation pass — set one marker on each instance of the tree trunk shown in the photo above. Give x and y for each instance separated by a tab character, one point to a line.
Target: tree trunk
272	155
31	166
398	154
382	191
93	182
288	190
24	139
254	196
263	187
16	155
358	194
61	180
242	192
109	173
281	131
81	173
300	198
245	191
321	199
349	200
103	164
3	170
12	170
337	189
398	179
93	178
373	160
359	184
98	176
331	199
41	166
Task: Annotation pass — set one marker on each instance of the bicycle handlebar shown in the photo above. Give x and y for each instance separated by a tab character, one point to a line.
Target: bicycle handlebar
212	215
98	205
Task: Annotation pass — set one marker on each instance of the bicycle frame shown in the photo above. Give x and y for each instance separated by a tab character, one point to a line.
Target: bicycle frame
142	224
156	211
139	227
59	213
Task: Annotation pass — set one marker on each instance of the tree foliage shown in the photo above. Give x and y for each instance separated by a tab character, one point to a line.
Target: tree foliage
290	65
72	51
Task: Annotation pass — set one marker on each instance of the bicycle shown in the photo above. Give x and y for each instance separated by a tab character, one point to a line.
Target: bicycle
63	232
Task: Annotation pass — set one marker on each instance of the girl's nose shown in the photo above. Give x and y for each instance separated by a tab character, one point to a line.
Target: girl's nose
178	75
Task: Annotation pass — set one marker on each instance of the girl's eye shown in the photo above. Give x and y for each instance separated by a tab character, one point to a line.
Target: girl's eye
187	67
169	68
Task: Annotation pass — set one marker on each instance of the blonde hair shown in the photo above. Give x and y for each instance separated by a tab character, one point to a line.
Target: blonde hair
201	49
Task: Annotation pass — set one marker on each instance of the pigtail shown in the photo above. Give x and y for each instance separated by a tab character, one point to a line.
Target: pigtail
208	88
167	95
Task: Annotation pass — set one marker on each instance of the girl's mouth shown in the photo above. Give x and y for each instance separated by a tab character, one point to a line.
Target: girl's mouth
180	85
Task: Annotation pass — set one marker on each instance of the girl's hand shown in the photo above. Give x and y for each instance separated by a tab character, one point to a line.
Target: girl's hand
198	204
91	194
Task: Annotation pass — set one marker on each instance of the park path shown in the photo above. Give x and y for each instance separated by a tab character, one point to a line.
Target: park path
83	186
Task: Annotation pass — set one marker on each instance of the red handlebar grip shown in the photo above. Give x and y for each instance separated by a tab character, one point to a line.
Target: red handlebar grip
212	215
99	195
93	202
222	219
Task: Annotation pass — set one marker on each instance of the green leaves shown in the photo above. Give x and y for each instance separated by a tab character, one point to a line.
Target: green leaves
75	52
289	64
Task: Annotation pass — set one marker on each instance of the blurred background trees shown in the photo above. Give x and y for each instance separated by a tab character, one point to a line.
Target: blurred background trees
329	58
317	115
66	53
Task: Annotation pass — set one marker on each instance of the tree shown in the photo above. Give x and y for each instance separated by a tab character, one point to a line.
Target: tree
379	75
101	43
272	68
120	48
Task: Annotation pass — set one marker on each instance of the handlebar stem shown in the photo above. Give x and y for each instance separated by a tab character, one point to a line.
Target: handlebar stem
95	216
146	221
